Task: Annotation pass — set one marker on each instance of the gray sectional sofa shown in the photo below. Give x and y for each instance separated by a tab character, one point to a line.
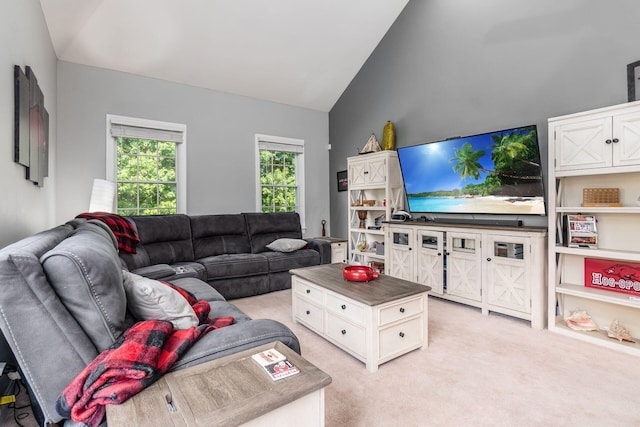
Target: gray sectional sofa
62	300
227	251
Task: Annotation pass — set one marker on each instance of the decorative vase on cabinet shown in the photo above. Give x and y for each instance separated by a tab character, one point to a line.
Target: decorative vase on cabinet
389	136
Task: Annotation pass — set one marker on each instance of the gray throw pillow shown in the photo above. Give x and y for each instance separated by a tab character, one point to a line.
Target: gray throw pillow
150	299
287	245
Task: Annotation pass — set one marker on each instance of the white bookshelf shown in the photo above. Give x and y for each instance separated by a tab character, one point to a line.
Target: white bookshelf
594	149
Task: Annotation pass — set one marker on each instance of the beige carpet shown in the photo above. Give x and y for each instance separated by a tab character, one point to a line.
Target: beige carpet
477	371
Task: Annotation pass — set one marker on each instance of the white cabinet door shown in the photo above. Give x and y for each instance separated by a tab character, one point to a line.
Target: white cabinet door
367	172
356	174
400	246
583	144
464	274
626	129
376	173
508	272
430	259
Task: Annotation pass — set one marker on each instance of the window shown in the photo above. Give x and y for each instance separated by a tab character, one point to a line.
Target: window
146	159
280	176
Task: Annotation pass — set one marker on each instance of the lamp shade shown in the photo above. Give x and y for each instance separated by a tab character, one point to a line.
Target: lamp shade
103	196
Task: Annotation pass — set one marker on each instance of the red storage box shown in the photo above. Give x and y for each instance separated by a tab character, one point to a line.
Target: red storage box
612	275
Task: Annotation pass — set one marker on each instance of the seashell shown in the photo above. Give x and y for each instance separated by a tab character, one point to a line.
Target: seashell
619	332
580	320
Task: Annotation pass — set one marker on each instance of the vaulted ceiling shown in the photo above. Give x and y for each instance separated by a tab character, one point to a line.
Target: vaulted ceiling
297	52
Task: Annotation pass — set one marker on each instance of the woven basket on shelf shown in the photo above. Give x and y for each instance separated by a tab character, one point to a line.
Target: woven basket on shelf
601	197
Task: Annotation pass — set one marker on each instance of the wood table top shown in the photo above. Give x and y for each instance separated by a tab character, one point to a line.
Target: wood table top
223	392
378	291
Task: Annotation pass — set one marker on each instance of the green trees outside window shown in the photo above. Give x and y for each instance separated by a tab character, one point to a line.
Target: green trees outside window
278	181
146	177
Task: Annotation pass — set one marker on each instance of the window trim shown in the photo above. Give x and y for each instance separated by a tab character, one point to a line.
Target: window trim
280	143
181	152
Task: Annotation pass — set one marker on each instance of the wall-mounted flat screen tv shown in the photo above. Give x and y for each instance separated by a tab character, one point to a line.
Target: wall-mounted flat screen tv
490	173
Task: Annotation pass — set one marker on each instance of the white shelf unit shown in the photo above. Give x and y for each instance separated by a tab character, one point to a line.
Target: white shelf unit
373	176
594	149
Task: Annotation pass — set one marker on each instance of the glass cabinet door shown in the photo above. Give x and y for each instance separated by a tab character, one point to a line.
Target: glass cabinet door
430	260
401	253
507	272
464	266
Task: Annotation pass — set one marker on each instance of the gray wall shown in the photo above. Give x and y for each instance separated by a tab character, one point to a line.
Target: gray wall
220	139
24	40
25	208
462	67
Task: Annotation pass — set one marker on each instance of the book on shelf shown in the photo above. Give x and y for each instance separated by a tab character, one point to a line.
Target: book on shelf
275	364
582	231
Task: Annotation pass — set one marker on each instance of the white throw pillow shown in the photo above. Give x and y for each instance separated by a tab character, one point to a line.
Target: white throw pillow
149	299
287	245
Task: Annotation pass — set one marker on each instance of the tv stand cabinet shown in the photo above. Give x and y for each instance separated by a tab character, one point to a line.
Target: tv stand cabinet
499	269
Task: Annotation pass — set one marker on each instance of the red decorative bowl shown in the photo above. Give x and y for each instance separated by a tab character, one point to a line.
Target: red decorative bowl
359	273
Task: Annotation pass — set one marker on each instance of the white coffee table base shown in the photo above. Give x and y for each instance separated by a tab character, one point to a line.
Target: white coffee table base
372	328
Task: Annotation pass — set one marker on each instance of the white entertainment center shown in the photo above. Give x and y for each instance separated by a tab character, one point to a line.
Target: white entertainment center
598	149
485	264
497	269
540	274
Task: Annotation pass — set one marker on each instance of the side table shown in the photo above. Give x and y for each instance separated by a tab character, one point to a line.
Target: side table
338	248
230	391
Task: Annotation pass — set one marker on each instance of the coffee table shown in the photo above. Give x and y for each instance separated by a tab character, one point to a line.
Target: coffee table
373	321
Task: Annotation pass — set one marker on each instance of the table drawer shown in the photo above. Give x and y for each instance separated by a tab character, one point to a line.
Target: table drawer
346	334
345	307
309	313
309	290
399	338
401	310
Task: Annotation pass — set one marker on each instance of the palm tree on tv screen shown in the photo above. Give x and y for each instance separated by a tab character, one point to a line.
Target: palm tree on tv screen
467	161
514	156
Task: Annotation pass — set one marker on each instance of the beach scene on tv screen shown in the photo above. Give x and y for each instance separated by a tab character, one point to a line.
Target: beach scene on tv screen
493	173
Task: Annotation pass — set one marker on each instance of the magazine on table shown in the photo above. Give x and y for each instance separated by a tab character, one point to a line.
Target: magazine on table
275	364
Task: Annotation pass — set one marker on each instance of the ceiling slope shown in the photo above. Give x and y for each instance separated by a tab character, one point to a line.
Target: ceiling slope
296	52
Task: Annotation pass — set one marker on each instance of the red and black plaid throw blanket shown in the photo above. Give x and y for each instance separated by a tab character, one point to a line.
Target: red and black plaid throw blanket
122	228
135	361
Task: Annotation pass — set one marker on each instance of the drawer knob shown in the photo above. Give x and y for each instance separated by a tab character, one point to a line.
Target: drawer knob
401	334
308	312
308	291
344	332
401	309
344	307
